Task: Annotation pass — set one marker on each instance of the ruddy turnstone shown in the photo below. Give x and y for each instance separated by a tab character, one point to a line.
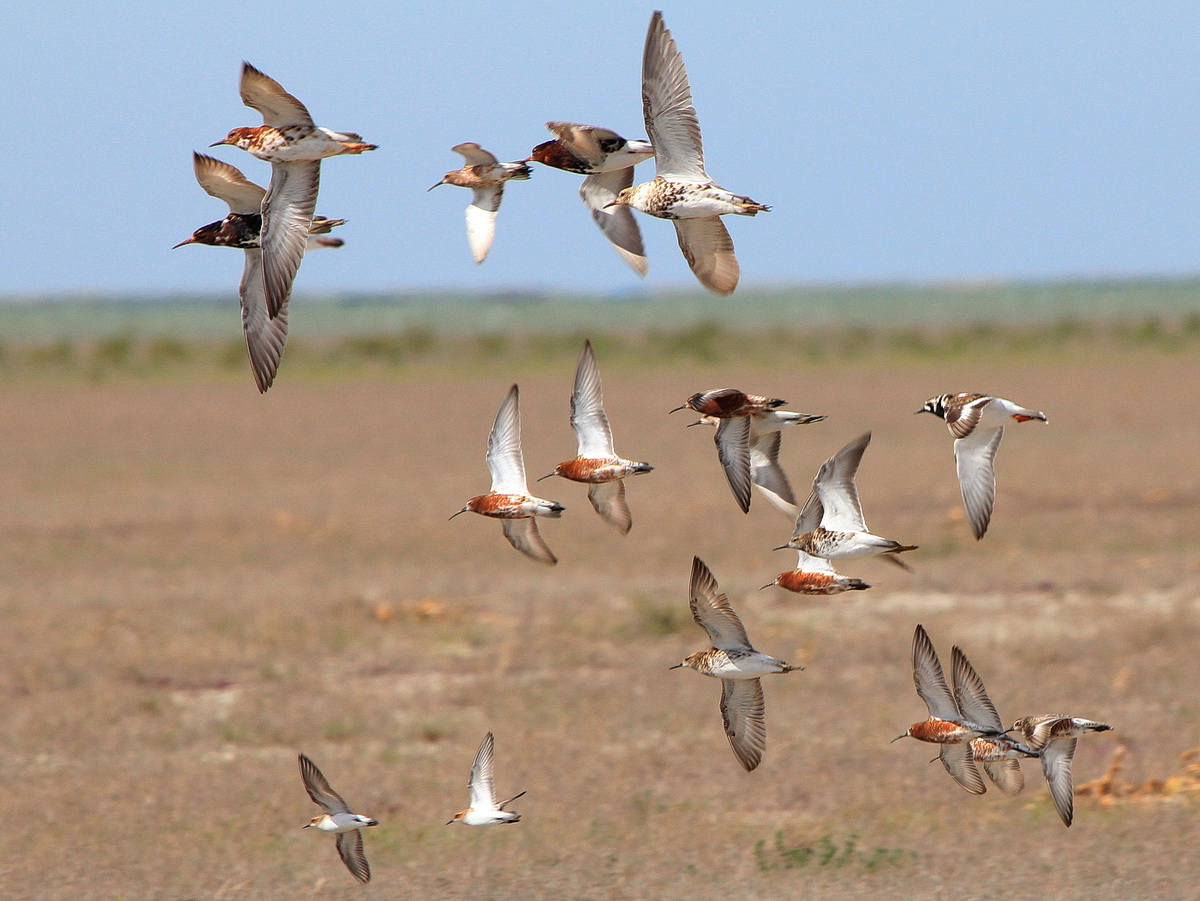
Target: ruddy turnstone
831	523
747	441
1054	736
337	818
510	500
294	147
816	575
484	811
265	337
682	190
597	465
764	442
607	161
485	176
733	660
947	725
977	423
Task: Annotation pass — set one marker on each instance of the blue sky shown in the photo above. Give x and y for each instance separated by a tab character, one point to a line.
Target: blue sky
895	140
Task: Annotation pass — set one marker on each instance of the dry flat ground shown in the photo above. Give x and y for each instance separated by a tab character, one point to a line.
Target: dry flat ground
197	583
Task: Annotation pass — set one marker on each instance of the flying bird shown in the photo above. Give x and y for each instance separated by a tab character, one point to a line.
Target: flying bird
265	336
338	819
597	463
606	160
682	190
977	423
510	500
294	147
831	523
1054	736
485	176
734	661
815	575
484	811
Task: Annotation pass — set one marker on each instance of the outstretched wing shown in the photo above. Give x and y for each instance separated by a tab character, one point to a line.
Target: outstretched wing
617	222
975	457
837	489
481	220
929	679
483	791
263	93
733	449
708	249
744	714
504	459
523	534
587	409
226	182
319	789
712	611
671	122
287	213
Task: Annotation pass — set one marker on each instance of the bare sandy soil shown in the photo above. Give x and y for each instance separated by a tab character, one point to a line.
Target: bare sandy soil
197	583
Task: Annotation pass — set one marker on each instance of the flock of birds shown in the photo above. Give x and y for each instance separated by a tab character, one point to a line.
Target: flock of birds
276	226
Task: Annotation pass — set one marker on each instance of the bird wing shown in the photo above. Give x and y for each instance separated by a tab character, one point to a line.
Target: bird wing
768	475
474	154
836	487
226	182
733	449
708	249
712	612
970	695
265	94
287	213
483	791
350	850
584	140
959	763
930	681
1006	774
608	499
319	789
617	222
587	409
481	220
975	457
523	534
504	459
1056	767
810	564
744	715
671	123
963	415
265	337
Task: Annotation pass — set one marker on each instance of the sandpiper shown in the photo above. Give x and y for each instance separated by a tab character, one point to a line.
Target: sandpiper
265	337
682	190
1054	736
733	660
510	500
831	523
484	811
816	575
947	726
485	176
339	819
597	465
606	160
764	441
294	147
977	423
999	754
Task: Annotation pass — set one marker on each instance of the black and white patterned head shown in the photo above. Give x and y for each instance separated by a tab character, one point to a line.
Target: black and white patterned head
936	405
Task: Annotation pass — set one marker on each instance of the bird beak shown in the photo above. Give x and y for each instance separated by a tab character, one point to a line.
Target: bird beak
463	510
922	410
611	203
448	822
697	422
677	409
782	547
191	240
898	737
676	666
220	142
768	585
546	476
306	825
438	185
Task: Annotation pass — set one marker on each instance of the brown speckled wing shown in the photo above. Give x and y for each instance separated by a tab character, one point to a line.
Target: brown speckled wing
959	763
263	93
744	714
227	183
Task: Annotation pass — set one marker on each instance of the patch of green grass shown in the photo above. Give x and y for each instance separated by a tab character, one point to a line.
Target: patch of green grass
827	851
657	619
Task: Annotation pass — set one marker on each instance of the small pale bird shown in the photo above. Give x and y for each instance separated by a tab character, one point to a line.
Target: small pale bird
484	811
510	500
734	661
1054	736
265	336
977	423
682	190
831	523
597	464
339	819
294	147
947	725
606	161
485	176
